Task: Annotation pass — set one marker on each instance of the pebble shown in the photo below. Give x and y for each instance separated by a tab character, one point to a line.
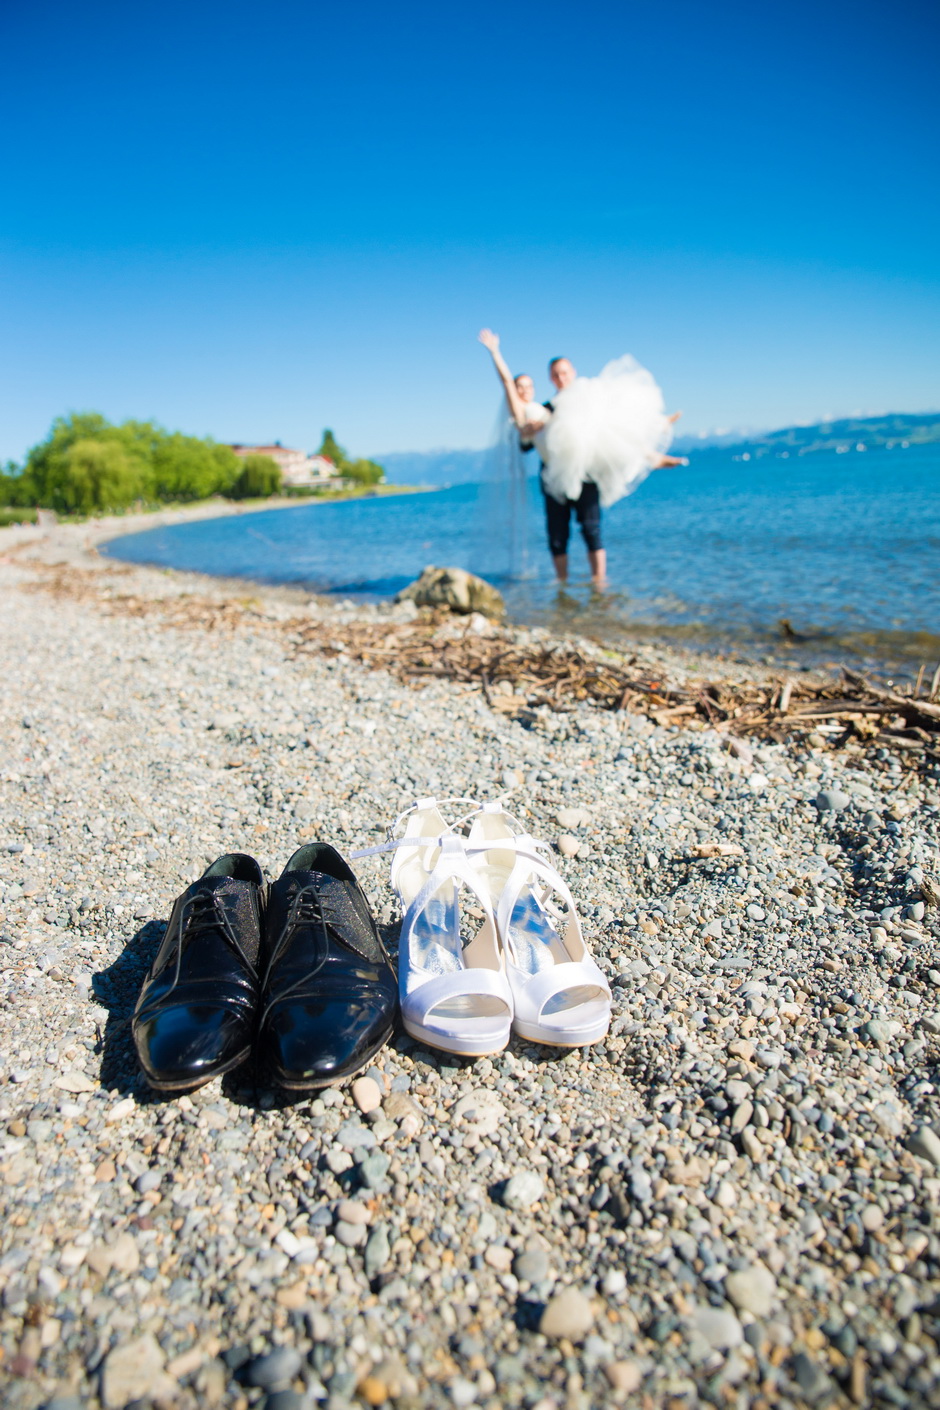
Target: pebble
925	1142
275	1368
133	1370
531	1266
719	1326
569	845
832	800
752	1289
567	1314
366	1094
624	1376
523	1190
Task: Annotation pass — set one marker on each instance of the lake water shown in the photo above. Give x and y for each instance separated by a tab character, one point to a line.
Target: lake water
844	547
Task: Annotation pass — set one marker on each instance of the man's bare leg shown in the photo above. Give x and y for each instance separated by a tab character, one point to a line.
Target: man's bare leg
560	561
666	462
598	560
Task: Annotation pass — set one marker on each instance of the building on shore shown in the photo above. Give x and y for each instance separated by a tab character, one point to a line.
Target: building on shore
298	469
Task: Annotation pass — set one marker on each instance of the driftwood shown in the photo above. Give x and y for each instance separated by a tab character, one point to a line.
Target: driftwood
519	679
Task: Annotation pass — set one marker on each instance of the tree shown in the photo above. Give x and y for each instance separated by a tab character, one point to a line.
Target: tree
364	472
184	467
92	475
260	476
330	449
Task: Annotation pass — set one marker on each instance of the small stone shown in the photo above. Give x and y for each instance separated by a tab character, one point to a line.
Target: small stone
925	1143
726	1196
571	818
712	930
832	800
352	1135
930	1023
350	1235
373	1170
756	912
398	1105
105	1172
752	1289
373	1390
531	1266
74	1081
134	1371
293	1296
811	1378
125	1255
568	845
377	1251
881	1030
741	1116
480	1109
719	1326
567	1314
353	1211
275	1369
287	1400
366	1094
150	1180
624	1376
751	1144
523	1190
498	1256
741	1048
872	1217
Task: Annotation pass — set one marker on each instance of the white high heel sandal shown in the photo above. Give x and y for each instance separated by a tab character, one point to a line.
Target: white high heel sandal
559	994
451	981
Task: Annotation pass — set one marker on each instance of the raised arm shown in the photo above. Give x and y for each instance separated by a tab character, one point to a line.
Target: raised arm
517	406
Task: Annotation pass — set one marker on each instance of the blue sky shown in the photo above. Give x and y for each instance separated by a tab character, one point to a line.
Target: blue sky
254	221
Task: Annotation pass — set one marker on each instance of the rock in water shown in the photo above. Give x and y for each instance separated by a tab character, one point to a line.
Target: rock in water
455	589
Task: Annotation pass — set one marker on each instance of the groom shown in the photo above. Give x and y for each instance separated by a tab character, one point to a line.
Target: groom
587	507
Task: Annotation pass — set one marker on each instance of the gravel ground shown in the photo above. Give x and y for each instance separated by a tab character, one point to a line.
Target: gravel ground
733	1201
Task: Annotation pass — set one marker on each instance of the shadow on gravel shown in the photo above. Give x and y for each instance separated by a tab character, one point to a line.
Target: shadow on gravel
116	989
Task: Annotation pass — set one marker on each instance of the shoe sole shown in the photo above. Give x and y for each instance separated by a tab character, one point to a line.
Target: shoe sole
537	1035
168	1087
307	1085
433	1040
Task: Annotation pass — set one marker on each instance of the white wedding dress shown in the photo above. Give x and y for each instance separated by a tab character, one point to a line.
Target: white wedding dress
610	429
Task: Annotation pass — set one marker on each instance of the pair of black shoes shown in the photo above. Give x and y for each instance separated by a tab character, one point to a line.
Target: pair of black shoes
294	971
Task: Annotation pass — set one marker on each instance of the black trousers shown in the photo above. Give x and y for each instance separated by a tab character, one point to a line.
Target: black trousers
587	511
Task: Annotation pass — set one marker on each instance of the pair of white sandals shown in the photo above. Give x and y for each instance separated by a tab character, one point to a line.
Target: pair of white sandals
485	945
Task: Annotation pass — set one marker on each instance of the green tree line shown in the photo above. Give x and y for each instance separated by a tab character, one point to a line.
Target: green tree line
87	465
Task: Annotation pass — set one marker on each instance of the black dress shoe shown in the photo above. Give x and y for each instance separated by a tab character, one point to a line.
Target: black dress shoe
330	994
195	1017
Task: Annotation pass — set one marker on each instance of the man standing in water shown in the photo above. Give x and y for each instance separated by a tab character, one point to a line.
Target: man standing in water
531	420
637	446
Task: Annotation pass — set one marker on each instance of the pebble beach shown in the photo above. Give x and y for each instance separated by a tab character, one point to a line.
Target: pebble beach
734	1200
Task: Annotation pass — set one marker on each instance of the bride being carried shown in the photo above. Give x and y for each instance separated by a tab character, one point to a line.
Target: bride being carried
597	438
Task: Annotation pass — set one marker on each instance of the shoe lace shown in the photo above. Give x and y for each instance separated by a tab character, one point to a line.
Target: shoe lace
307	910
202	912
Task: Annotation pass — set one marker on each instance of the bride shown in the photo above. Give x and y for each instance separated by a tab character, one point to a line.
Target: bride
598	438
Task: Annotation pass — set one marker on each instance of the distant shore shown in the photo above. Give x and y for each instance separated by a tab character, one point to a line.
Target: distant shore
97	529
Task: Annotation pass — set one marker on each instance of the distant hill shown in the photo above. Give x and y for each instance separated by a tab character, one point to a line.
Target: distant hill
434	467
846	434
459	467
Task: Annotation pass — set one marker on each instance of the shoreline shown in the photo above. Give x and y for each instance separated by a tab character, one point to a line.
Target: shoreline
735	1194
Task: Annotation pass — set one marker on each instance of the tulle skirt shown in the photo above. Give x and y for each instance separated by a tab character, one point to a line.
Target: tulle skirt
609	429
